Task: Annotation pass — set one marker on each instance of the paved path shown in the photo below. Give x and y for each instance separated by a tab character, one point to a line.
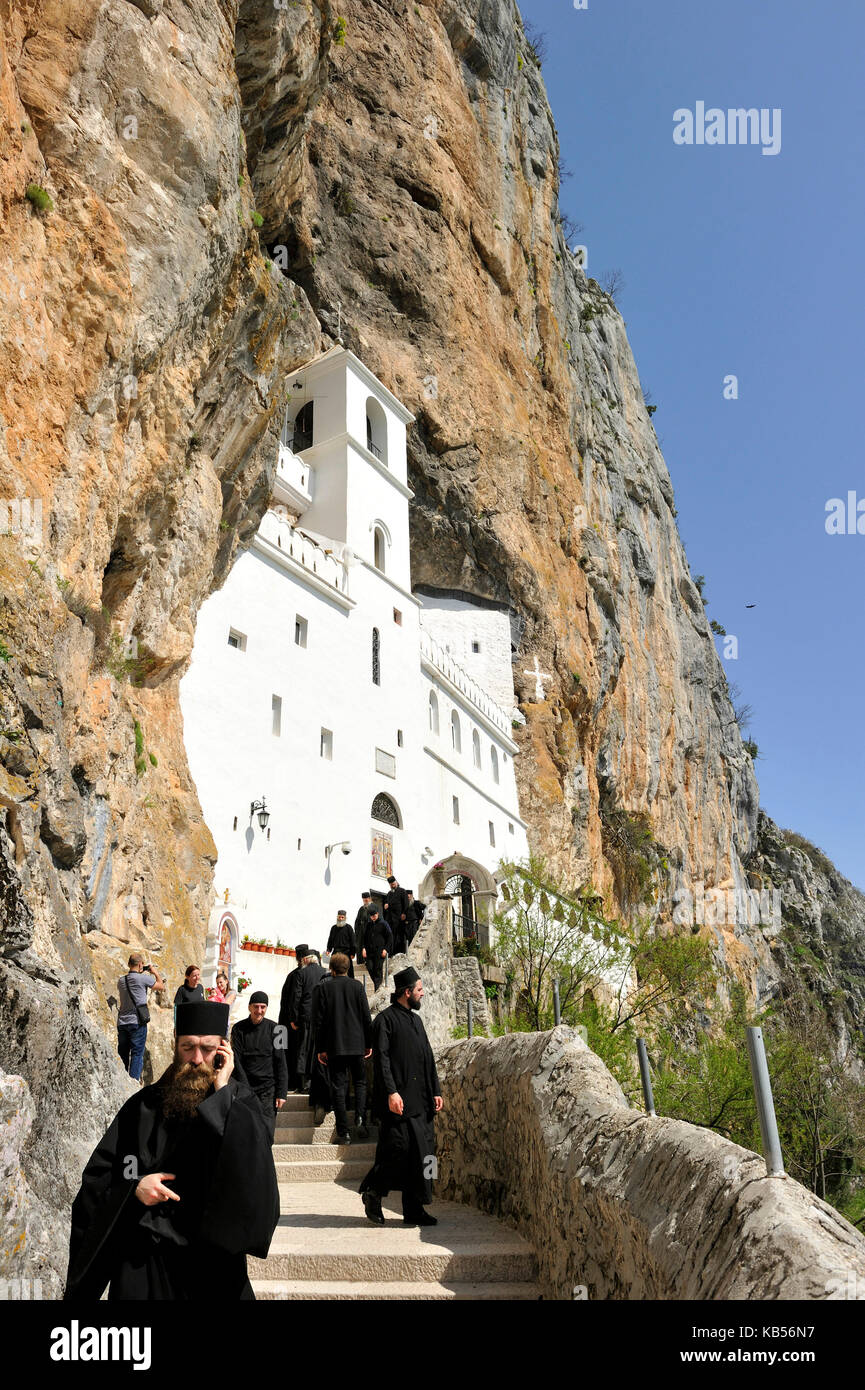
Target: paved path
325	1248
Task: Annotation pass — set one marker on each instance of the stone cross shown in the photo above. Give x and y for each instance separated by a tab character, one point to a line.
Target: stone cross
540	676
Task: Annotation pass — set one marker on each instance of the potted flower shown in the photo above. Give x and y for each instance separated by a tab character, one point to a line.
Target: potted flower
246	944
439	878
243	982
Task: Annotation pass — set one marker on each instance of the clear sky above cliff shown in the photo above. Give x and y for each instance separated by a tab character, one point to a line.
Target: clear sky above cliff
736	262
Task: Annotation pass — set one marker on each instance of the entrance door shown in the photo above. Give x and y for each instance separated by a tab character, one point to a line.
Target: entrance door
461	887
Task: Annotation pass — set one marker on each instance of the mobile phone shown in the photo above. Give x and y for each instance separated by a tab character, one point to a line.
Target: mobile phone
218	1062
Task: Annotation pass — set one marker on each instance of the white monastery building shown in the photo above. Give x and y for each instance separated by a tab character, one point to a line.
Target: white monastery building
367	725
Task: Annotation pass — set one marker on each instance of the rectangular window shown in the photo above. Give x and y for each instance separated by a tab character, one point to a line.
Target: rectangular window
300	629
399	738
298	844
492	833
456	802
237	640
397	617
276	708
385	763
327	744
476	646
510	827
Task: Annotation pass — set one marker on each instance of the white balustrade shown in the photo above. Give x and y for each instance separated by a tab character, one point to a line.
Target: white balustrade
304	551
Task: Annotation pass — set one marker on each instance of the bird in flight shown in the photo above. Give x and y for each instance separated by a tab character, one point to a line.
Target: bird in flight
750	605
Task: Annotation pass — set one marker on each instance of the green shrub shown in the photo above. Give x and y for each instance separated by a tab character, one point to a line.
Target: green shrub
339	31
39	198
257	219
5	653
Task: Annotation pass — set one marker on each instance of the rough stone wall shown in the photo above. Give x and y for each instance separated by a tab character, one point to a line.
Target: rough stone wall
430	954
536	1131
468	984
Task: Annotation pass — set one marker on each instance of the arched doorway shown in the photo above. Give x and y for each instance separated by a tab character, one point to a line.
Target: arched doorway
473	891
461	888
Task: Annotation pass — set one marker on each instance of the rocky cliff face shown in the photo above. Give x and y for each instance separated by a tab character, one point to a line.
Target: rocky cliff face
145	339
215	190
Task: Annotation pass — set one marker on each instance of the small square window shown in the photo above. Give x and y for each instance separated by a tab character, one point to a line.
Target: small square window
327	744
397	617
237	640
510	827
492	833
456	806
476	646
300	630
276	715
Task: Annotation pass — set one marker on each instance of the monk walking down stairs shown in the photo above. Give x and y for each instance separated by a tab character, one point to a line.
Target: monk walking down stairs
406	1100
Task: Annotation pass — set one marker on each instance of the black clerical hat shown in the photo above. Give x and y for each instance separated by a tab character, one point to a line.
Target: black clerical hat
301	951
259	997
201	1018
404	979
391	879
366	894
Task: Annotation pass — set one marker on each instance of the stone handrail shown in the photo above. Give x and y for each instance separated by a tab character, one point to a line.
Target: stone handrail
444	662
304	551
619	1205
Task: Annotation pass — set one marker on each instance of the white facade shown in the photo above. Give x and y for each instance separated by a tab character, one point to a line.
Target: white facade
280	700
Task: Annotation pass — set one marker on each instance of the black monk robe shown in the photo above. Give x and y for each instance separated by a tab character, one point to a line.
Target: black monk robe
404	1063
192	1249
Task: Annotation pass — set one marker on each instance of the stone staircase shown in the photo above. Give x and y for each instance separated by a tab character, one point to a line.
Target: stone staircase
325	1248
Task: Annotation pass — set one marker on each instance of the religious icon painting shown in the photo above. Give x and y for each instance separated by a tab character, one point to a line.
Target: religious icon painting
382	853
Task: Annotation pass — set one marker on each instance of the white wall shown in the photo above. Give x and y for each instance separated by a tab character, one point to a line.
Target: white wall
456	623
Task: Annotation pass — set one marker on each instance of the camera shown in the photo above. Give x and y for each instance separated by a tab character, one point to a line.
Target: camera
346	849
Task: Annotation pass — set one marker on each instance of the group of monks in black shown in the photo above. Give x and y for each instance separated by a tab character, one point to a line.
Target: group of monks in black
183	1186
377	932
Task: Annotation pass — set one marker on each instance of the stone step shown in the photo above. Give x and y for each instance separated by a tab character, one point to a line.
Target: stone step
324	1236
304	1134
324	1169
343	1289
304	1153
294	1103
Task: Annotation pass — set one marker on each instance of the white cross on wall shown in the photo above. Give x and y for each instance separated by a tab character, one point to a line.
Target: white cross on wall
540	676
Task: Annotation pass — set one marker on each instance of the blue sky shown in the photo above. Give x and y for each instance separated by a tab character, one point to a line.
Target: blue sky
736	262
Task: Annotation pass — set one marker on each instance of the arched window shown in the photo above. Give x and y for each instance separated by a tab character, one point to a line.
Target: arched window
376	429
378	548
476	748
376	657
384	808
494	762
456	739
433	712
302	436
